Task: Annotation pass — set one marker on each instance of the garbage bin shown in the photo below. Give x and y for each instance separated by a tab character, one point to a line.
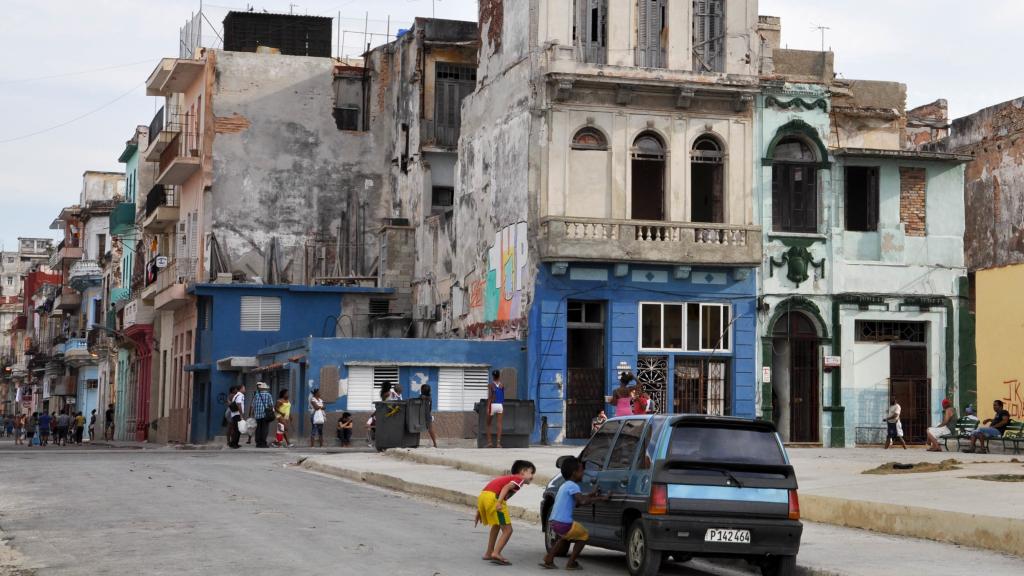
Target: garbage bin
393	429
516	425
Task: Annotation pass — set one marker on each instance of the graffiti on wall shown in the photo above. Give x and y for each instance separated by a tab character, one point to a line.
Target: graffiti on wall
506	274
1013	400
497	330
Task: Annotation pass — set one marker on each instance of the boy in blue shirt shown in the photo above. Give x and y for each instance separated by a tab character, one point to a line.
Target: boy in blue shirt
568	530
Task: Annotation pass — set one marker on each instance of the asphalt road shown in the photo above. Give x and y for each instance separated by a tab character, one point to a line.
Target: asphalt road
94	512
175	513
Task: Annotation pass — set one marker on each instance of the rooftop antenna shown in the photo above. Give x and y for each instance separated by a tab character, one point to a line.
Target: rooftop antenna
292	7
821	29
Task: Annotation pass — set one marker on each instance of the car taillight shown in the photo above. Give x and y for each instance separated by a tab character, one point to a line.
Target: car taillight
794	505
659	499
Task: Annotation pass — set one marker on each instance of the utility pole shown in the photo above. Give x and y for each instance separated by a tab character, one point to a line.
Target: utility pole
292	7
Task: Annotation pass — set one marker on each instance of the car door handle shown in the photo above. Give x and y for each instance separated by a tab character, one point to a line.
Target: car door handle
623	483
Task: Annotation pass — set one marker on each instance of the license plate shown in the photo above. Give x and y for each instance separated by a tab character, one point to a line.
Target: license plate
727	536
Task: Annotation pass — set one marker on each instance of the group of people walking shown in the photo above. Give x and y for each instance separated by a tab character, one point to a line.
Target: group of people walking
45	428
263	413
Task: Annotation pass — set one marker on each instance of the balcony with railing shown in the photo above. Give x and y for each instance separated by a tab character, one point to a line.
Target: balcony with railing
439	135
161	209
174	76
76	352
596	239
172	282
181	158
85	274
161	132
68	249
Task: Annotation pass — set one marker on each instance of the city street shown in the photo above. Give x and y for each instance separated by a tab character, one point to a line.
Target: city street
173	512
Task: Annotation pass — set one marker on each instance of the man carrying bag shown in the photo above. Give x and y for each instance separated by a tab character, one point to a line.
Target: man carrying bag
262	409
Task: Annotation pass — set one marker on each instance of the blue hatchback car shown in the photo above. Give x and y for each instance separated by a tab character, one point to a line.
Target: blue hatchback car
682	486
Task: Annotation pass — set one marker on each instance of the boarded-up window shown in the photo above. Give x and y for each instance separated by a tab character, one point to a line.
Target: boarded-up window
329	383
708	36
260	314
458	389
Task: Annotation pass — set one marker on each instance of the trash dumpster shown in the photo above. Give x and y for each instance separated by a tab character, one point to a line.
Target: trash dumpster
392	421
516	425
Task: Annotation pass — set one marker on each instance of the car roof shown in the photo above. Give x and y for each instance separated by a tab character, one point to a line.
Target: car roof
673	419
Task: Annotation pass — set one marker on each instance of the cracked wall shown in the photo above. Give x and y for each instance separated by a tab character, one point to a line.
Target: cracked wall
283	172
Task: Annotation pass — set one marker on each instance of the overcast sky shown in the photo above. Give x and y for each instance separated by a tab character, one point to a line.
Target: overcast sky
60	60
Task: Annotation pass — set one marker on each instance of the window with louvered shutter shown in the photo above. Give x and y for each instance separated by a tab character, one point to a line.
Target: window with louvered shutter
260	314
592	30
708	36
650	22
360	389
459	389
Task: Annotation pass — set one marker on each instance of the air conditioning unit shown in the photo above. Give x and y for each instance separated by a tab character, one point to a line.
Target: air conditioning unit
427	313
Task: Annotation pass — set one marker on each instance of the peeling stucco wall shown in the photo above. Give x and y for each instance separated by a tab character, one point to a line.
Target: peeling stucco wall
283	171
994	183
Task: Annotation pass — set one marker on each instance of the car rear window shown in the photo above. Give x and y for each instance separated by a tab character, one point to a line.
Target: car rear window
724	444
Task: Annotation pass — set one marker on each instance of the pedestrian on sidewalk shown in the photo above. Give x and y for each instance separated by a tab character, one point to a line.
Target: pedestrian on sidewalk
263	411
944	427
318	417
894	428
561	519
395	395
79	427
992	428
8	426
236	407
63	424
428	406
44	428
622	397
344	431
19	429
108	423
283	409
31	427
53	424
92	426
492	508
597	422
495	406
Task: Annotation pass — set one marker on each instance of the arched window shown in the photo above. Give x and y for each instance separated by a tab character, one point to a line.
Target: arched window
648	185
794	187
589	139
706	181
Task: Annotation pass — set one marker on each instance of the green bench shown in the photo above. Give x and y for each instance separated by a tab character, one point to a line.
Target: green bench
962	431
1014	434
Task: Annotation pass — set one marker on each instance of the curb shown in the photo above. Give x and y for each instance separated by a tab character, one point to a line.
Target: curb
999	534
1004	535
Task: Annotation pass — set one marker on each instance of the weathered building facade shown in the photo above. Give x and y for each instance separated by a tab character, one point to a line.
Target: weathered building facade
994	244
863	253
603	202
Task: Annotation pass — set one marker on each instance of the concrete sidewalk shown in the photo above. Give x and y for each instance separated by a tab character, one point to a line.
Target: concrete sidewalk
943	506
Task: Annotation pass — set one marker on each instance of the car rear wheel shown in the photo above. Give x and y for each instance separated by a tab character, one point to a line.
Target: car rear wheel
640	558
779	566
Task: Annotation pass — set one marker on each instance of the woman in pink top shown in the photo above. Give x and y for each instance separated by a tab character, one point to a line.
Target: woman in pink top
622	397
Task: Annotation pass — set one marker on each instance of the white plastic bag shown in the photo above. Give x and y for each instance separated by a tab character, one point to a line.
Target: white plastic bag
243	427
319	417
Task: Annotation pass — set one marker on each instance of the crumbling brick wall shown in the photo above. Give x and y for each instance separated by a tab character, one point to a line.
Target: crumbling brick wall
913	200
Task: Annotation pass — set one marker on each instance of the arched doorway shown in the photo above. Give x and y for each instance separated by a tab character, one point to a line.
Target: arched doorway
795	385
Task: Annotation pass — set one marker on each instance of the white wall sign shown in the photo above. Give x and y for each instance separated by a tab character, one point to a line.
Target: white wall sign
833	361
766	374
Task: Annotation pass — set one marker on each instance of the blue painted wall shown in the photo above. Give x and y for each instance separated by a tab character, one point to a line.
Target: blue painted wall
417	356
622	295
305	311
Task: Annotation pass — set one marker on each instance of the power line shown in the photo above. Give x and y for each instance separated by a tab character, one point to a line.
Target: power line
75	119
78	73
